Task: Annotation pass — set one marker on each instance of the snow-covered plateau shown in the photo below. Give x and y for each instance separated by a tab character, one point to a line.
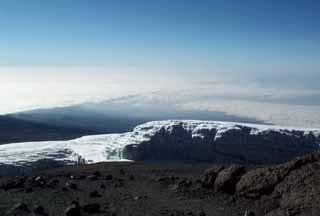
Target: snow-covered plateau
171	140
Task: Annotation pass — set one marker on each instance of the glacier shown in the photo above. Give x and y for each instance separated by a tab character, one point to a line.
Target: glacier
169	140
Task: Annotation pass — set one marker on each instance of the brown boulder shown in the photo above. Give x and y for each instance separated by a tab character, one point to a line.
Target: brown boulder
261	181
228	177
209	176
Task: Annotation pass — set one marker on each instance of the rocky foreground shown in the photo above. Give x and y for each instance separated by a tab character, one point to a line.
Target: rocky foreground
140	189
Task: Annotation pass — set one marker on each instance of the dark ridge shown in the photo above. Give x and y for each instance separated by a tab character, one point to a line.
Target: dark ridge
18	130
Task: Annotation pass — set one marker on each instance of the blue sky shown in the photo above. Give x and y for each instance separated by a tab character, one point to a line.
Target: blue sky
227	33
254	39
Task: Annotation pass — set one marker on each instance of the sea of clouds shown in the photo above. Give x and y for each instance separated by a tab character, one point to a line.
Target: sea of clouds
44	87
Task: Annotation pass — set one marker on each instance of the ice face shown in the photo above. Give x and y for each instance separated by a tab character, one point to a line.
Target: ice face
109	147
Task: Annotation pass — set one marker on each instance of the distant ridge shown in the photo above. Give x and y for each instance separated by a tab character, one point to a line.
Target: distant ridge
18	130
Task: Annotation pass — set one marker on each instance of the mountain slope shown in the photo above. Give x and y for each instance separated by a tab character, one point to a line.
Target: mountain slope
18	130
79	117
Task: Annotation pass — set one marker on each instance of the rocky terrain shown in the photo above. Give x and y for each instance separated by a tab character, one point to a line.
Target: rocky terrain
167	141
136	188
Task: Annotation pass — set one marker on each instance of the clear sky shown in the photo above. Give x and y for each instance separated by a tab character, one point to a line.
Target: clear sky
230	33
271	43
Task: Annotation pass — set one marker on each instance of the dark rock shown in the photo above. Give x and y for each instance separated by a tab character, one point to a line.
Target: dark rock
209	176
108	177
249	213
91	208
122	172
94	194
92	178
228	177
28	190
201	213
19	207
64	189
182	184
118	184
74	202
73	209
81	177
131	177
39	181
72	186
173	178
97	173
39	210
16	183
140	197
161	179
53	183
167	179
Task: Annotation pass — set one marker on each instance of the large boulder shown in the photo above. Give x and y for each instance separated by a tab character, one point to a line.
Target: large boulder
227	178
261	181
209	176
221	178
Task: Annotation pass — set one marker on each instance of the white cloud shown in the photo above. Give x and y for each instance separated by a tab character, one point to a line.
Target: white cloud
29	88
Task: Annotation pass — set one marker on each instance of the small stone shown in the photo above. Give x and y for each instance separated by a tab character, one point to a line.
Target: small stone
97	173
201	213
91	208
53	183
182	185
14	184
249	213
39	210
131	177
140	197
73	209
82	177
20	207
122	172
108	177
94	194
92	178
39	180
28	190
72	186
161	179
64	189
118	184
74	202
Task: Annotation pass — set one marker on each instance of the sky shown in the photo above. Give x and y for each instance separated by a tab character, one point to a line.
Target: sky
264	44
